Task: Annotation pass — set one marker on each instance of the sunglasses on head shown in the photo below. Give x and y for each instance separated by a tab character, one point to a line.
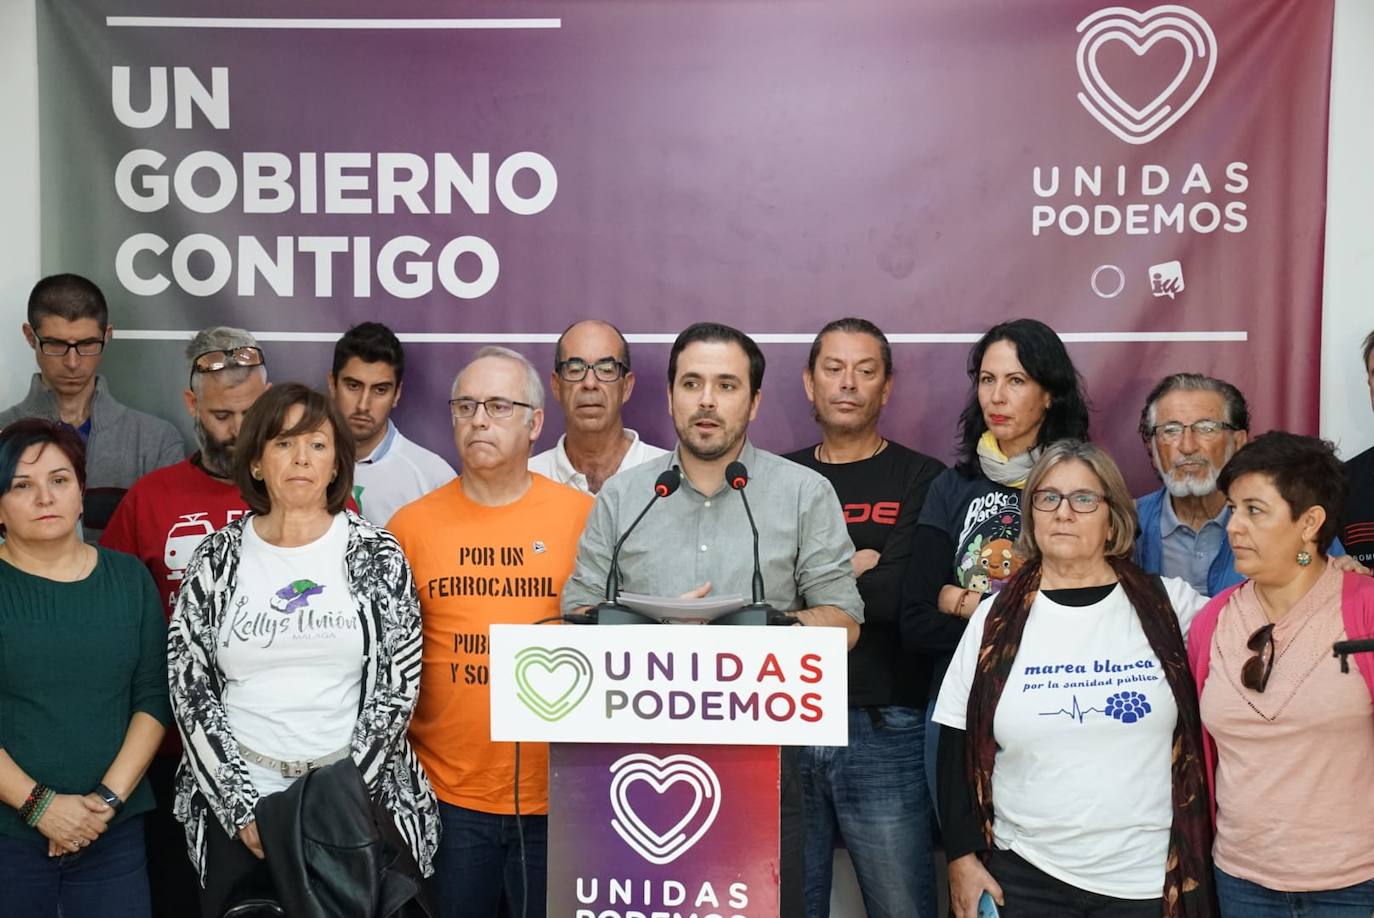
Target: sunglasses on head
223	359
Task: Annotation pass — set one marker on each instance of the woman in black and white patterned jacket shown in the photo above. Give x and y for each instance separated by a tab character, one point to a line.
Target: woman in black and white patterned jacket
295	643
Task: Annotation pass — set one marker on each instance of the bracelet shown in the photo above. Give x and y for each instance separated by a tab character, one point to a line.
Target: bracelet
31	801
41	807
112	800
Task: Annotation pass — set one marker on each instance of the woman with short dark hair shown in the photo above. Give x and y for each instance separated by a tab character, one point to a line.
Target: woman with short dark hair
1289	735
83	693
295	643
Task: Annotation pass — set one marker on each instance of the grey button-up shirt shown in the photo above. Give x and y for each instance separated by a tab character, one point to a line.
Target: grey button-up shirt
1186	553
689	538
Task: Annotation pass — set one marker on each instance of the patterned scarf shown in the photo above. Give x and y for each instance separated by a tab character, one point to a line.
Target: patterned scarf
1010	472
1188	891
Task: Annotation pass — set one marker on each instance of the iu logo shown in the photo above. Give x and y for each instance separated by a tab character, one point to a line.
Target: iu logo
686	824
1140	32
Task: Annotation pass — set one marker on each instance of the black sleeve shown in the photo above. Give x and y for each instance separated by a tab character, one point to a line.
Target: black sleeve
958	824
881	585
925	629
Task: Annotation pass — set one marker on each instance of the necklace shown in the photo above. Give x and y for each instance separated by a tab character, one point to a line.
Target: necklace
882	442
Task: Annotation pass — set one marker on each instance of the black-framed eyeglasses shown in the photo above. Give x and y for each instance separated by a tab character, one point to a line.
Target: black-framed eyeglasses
56	347
497	408
1206	429
574	369
226	358
1048	500
1255	674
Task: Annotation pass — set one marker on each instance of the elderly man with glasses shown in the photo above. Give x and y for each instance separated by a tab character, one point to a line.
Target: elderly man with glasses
1192	424
68	328
592	381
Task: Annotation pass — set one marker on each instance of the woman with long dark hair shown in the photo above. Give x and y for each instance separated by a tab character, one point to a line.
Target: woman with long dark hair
1024	394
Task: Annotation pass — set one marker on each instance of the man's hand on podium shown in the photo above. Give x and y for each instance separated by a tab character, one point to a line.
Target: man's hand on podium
831	617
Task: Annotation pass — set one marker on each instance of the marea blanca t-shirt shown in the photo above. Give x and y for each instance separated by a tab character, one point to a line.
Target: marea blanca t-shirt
1082	785
291	650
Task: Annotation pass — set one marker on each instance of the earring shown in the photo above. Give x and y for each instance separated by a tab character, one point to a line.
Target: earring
334	476
257	473
1304	558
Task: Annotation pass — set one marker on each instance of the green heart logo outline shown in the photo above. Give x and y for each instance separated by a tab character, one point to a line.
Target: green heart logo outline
551	660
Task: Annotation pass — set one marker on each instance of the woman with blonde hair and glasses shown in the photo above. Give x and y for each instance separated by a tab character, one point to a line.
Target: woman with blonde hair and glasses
1071	771
1289	731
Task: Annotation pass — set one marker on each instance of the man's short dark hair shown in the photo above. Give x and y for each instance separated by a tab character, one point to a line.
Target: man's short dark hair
1304	470
856	326
1367	348
370	342
67	296
265	421
715	332
624	345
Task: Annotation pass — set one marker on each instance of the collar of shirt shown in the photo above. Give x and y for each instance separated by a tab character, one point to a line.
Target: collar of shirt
567	473
747	456
1170	523
384	447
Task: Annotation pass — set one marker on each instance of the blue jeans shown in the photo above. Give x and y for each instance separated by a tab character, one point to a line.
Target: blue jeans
109	879
1244	899
479	859
871	794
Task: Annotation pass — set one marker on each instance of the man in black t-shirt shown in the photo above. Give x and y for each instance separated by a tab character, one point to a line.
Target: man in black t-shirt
1357	525
870	793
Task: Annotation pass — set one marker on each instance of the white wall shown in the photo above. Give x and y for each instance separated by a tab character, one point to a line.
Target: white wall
18	190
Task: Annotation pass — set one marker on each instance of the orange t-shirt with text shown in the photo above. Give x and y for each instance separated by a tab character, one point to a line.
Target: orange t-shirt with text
477	566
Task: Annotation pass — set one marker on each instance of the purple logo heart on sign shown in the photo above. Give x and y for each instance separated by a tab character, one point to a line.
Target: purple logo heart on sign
1140	32
661	774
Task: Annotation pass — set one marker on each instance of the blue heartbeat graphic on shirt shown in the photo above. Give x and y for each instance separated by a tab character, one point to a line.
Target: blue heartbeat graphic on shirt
1077	713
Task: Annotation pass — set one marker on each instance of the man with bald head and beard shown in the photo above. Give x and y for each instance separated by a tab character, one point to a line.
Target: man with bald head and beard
592	381
160	521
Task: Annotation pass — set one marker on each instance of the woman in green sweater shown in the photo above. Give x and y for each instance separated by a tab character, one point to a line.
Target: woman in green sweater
83	693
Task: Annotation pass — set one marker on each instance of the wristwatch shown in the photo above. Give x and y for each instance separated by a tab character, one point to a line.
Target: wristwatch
110	797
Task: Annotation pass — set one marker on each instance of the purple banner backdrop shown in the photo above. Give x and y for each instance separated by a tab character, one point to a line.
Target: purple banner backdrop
1149	180
636	832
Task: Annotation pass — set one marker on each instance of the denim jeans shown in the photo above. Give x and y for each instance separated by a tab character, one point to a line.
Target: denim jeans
1244	899
872	794
479	858
108	879
1032	893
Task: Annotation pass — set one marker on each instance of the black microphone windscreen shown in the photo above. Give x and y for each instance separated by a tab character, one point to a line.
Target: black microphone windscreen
668	482
736	475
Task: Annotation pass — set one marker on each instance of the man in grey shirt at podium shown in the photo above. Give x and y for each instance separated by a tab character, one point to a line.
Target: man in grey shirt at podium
698	541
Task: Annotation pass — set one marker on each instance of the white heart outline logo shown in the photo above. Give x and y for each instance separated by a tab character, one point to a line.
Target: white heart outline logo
552	660
661	774
1140	32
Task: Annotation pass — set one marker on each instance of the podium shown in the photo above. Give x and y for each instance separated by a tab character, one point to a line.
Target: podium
663	763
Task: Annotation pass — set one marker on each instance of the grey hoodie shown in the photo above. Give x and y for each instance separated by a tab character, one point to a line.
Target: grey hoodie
123	446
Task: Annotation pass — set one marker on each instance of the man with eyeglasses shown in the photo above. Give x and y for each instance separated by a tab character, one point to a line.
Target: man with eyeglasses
493	546
592	381
160	521
365	383
68	328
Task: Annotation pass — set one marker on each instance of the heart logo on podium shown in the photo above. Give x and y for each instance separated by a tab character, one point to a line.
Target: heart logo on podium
660	775
552	682
1140	32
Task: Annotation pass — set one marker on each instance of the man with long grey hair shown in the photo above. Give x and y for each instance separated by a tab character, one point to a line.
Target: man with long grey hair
160	521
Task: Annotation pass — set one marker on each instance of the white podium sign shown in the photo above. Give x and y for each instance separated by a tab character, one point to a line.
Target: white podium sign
693	684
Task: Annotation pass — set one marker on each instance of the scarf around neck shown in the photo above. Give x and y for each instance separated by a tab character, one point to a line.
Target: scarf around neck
1188	882
1007	471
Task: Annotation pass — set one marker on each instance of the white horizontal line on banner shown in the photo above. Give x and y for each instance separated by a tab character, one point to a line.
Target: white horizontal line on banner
224	22
669	337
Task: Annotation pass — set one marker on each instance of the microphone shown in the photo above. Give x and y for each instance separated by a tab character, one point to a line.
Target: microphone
737	476
667	482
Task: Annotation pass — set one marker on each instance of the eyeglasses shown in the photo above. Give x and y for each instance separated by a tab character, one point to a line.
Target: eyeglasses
574	369
496	408
1203	430
224	359
56	347
1048	500
1254	675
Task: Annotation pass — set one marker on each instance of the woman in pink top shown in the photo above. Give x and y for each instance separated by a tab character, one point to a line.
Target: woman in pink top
1289	736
